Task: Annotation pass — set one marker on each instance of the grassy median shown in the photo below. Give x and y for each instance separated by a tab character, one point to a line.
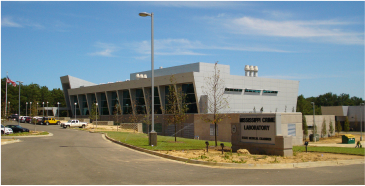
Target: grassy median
166	143
163	142
338	150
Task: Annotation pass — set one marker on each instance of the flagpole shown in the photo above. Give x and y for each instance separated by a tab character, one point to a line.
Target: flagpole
6	97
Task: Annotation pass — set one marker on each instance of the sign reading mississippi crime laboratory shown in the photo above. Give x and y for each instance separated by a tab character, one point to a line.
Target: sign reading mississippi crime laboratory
258	129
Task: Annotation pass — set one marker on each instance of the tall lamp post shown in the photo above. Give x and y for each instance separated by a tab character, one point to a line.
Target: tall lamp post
361	110
19	102
43	108
153	134
75	110
47	108
58	111
314	124
30	111
37	108
26	108
96	115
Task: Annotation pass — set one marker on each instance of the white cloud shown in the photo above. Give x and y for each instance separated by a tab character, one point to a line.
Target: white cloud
198	4
107	50
169	47
187	47
8	22
318	30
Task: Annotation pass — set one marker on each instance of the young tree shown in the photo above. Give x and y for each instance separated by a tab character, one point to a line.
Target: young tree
331	128
217	100
305	127
346	126
133	117
117	112
324	128
94	114
176	106
338	127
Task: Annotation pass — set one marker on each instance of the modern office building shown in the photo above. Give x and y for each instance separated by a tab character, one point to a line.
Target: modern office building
245	94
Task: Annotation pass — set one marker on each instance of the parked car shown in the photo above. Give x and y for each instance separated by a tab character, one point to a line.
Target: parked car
14	117
22	119
17	128
35	118
6	130
49	121
73	123
28	119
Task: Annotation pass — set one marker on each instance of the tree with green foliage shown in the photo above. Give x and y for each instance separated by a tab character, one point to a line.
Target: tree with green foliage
324	128
331	128
338	127
176	106
29	93
217	99
94	114
304	127
117	112
133	113
346	126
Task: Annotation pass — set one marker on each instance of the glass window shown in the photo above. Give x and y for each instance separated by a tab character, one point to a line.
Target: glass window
140	102
212	130
104	105
127	106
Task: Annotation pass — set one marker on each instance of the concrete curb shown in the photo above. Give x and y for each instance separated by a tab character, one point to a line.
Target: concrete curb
244	166
8	142
34	136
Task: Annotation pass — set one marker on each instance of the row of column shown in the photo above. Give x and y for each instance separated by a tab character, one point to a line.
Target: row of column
120	98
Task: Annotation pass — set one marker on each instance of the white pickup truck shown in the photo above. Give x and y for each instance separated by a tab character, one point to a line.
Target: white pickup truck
74	123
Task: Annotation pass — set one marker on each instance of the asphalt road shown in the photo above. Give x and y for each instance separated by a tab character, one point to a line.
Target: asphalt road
79	157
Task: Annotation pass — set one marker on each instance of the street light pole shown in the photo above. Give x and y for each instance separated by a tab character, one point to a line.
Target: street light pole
47	108
361	110
30	110
154	134
96	115
26	108
314	124
37	108
19	102
58	111
43	108
75	110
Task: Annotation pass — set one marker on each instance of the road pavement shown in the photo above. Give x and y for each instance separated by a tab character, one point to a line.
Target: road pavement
79	157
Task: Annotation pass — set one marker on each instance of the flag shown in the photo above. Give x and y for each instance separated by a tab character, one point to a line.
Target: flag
10	81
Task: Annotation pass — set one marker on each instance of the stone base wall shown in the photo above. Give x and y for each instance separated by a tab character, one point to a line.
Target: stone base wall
283	145
103	122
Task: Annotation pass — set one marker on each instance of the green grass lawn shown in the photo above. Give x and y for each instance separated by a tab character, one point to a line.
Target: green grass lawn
168	143
163	142
27	134
338	150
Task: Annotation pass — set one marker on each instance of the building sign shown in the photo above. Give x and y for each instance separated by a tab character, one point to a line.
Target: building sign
258	129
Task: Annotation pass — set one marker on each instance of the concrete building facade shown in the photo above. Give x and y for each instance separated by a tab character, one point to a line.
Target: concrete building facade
355	115
246	94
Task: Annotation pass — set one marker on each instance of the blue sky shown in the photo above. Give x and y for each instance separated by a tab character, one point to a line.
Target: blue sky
321	44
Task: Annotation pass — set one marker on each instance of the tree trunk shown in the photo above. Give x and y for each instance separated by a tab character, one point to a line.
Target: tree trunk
215	131
175	131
